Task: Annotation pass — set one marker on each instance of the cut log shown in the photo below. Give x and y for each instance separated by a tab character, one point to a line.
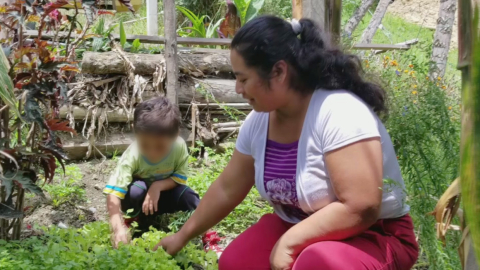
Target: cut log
77	147
196	64
222	90
113	116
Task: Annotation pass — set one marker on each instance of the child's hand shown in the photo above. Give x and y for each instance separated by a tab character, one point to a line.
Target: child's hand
150	205
120	235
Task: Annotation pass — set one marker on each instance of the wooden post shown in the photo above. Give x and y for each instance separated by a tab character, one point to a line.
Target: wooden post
327	13
152	17
170	28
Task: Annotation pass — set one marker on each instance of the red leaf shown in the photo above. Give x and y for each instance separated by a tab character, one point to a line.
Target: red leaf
49	166
70	68
105	12
25	51
53	6
59	125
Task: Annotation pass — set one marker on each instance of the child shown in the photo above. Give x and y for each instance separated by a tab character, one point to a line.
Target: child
151	176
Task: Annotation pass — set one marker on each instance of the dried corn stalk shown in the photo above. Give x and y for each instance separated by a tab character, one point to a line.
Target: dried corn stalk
445	210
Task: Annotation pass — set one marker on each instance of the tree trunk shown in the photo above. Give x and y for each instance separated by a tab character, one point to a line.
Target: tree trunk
376	21
442	38
357	17
195	64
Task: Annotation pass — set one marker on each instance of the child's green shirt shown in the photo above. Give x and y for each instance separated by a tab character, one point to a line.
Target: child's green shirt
132	165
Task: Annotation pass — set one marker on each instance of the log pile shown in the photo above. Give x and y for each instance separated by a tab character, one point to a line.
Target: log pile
111	84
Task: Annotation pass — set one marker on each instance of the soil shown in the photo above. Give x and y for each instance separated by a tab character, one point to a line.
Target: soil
95	174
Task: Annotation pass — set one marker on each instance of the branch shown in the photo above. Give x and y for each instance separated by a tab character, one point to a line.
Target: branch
72	25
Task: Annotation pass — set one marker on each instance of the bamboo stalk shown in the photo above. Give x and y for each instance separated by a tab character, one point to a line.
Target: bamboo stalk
194	124
238	106
228	129
227	124
470	139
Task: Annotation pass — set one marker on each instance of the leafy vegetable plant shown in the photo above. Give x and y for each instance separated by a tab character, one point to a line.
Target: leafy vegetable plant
90	248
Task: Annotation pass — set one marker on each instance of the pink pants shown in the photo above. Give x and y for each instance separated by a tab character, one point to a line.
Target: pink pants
388	244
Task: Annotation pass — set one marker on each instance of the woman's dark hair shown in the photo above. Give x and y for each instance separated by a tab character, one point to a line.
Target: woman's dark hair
315	63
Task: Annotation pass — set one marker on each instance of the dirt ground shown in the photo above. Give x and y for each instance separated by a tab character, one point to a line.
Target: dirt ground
95	174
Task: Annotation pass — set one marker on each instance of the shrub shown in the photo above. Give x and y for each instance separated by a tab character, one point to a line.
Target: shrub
424	123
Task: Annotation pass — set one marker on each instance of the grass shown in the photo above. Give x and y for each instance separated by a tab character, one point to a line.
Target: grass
68	188
397	30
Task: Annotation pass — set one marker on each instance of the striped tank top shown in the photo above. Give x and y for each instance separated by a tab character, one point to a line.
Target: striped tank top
279	177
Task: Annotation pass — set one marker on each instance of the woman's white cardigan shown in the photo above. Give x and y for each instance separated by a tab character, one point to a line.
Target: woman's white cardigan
334	119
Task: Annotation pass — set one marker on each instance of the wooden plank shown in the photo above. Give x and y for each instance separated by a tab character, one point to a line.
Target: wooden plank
214	41
171	62
315	10
297	10
238	106
152	17
408	42
380	47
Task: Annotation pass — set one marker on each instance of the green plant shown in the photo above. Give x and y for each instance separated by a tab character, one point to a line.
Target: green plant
68	188
248	9
245	214
123	35
281	8
90	248
198	28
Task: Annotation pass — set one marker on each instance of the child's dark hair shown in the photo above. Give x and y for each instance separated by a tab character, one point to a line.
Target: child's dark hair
315	64
157	116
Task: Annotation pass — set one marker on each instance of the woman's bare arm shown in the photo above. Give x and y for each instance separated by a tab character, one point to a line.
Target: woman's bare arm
356	173
228	191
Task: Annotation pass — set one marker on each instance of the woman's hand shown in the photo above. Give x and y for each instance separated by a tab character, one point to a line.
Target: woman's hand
282	257
150	204
172	244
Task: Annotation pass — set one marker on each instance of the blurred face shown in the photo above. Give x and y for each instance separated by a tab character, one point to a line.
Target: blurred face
264	96
154	147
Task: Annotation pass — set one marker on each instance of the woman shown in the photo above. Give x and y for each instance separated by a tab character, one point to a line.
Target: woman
316	150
